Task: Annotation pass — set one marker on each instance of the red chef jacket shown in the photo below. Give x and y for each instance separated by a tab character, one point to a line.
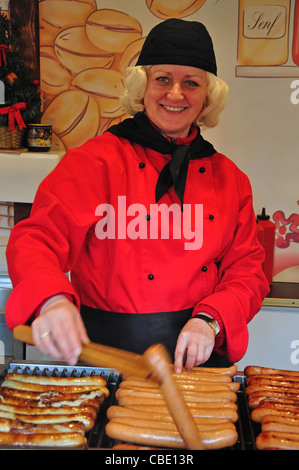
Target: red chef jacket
220	274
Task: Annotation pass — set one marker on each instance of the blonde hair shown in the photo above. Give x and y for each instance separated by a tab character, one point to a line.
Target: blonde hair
135	82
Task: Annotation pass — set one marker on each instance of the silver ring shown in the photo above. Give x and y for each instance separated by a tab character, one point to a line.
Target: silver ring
43	335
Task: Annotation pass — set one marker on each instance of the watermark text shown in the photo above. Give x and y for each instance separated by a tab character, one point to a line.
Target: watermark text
162	222
295	94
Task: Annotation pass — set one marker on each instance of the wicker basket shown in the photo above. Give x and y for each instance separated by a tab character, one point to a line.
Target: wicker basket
11	139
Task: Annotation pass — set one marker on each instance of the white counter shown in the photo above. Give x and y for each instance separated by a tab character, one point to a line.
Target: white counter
21	173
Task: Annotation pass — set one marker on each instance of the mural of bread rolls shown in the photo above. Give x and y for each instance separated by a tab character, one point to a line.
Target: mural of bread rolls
174	8
73	114
84	51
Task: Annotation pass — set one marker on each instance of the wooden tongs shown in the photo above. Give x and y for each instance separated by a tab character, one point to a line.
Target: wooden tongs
154	364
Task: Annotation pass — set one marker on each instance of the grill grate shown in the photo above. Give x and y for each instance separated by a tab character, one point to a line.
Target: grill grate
96	438
245	426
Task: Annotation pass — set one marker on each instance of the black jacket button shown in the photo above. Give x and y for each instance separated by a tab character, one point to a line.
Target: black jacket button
202	169
151	277
211	217
204	269
141	165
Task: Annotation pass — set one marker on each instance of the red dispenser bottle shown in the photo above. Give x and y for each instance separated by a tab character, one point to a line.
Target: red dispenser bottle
266	235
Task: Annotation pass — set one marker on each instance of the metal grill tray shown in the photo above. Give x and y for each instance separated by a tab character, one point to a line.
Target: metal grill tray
96	437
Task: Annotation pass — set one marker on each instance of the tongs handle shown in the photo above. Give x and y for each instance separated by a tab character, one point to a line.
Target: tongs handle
159	361
126	362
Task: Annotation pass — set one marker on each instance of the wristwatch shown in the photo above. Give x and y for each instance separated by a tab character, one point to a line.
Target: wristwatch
210	321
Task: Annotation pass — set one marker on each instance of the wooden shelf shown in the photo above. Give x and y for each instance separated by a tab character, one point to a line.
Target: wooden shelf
283	294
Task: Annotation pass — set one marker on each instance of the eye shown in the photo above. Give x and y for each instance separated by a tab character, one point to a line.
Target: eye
191	83
162	80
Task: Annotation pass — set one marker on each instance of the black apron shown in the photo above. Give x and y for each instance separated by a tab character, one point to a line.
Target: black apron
137	332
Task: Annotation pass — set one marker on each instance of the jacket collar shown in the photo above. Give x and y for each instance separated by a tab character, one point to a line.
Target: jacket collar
141	131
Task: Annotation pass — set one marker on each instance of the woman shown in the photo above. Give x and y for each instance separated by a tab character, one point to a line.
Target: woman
191	279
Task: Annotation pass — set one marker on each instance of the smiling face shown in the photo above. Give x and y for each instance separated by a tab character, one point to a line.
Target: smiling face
174	97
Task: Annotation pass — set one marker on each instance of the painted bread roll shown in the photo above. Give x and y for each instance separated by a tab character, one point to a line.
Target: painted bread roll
54	79
175	8
73	114
76	53
130	55
55	15
112	30
105	86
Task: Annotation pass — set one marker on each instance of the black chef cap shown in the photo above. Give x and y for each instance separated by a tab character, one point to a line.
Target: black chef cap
179	42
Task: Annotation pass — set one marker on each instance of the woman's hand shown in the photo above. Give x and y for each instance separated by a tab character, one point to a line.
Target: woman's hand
59	330
194	345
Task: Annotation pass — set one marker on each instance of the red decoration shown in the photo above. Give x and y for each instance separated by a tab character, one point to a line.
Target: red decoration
3	50
14	113
287	229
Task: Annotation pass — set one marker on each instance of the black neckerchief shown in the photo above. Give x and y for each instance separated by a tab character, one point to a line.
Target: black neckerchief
174	173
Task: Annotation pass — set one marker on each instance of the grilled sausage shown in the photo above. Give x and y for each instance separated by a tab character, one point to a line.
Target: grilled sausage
205	376
132	447
200	411
152	423
280	423
84	418
254	370
194	376
135	400
23	402
256	387
260	396
122	411
35	410
190	396
275	409
271	381
166	438
52	396
268	440
71	439
97	380
202	386
17	425
231	370
36	387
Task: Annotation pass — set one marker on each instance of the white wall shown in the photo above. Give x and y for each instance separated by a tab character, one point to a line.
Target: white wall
273	339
